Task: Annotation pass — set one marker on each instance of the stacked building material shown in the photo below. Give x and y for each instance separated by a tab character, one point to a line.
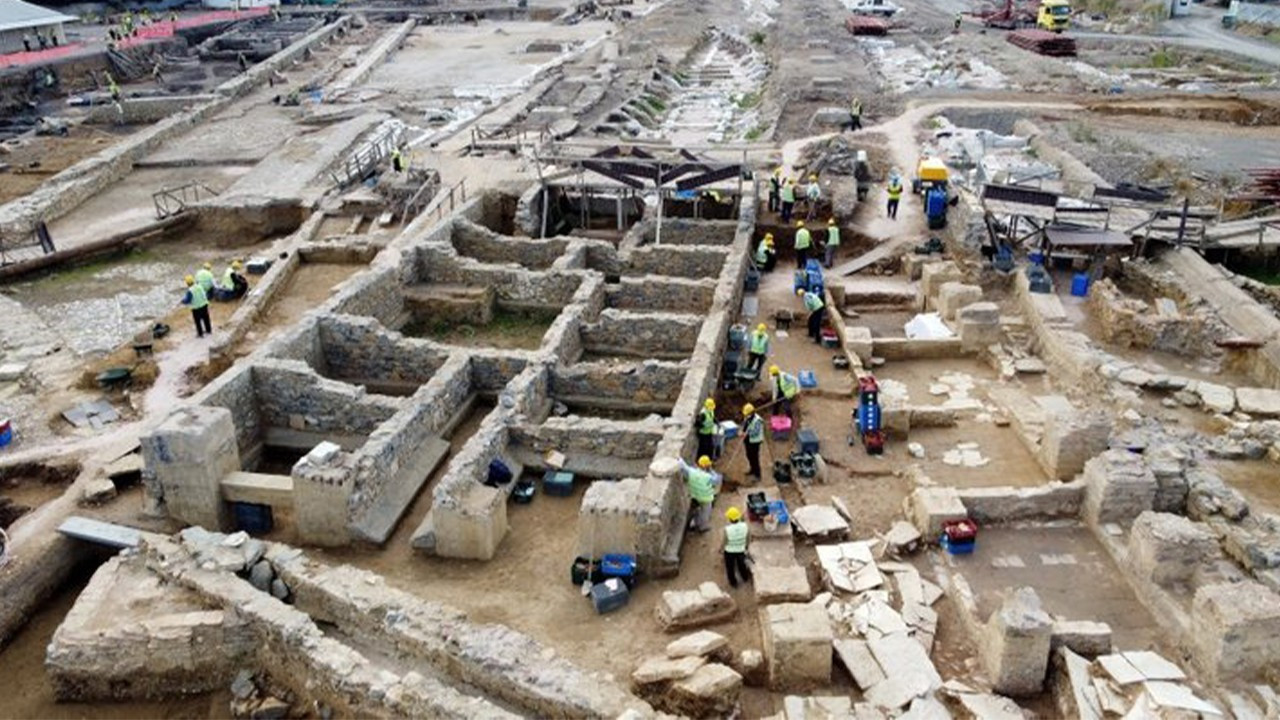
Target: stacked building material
1044	42
1266	183
865	25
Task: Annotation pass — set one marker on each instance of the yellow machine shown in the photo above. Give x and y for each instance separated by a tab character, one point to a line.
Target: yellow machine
1054	15
929	173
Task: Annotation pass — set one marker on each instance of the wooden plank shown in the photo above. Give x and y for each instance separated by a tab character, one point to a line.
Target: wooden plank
100	533
258	488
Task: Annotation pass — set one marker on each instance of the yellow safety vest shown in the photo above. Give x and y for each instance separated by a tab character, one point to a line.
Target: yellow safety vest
204	279
700	486
759	342
706	422
789	193
788	386
755	429
895	191
198	297
735	537
833	236
803	239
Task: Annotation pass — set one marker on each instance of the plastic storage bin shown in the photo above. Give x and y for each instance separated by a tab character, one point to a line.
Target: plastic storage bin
557	483
807	379
618	565
523	492
808	441
780	425
583	569
609	595
778	509
6	432
1080	284
800	281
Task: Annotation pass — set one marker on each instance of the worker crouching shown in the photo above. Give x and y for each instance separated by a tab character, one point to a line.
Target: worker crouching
737	536
786	387
817	311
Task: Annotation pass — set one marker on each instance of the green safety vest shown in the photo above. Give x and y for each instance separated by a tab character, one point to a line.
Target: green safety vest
228	281
856	108
814	191
759	342
812	301
803	239
788	386
762	253
700	486
789	193
735	537
198	297
755	429
204	279
833	236
895	190
706	422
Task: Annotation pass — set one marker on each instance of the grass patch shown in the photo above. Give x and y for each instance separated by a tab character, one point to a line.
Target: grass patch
756	132
87	271
746	101
1165	58
508	330
1263	275
757	38
1081	133
655	103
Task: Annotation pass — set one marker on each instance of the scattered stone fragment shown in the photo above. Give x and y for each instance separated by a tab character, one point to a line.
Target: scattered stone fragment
700	644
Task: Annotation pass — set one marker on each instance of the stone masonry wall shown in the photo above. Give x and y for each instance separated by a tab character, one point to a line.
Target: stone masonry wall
288	391
656	335
640	383
676	261
354	347
480	243
661	294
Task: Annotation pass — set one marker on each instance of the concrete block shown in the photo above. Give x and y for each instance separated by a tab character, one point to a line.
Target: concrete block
1118	487
1083	637
1168	549
684	609
1016	648
857	340
797	645
1070	439
931	507
1237	629
781	585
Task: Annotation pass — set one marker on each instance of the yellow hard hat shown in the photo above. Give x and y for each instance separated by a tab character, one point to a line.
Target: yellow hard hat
777	171
704	462
709	404
748	409
733	514
235	265
761	327
768	236
799	223
768	240
208	266
813	177
800	292
189	280
774	370
831	221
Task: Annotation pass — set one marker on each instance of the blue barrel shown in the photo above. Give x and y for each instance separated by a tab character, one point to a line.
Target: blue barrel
1080	284
1036	257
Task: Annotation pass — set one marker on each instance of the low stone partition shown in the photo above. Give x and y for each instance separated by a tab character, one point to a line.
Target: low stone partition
692	262
669	336
593	447
652	384
1135	323
139	111
359	349
374	56
682	231
996	505
480	243
1069	353
661	294
917	348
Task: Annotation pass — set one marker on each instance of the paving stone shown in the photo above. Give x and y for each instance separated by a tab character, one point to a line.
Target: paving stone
858	660
98	491
908	671
1120	670
1260	402
699	644
781	584
1084	637
903	537
663	669
1153	667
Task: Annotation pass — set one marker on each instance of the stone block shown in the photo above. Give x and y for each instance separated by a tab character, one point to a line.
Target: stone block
857	340
13	371
188	454
686	609
954	295
711	691
98	491
931	507
1083	637
1259	402
987	313
751	666
1168	549
1237	629
797	645
1118	487
932	277
781	585
831	116
700	644
1016	647
1216	398
663	669
1070	439
856	657
909	673
976	336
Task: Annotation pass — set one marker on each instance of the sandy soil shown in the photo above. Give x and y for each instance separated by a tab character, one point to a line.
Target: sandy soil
51	155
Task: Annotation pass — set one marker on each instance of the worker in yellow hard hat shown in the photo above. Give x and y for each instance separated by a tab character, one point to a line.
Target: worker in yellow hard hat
786	388
701	482
706	427
775	189
766	254
196	299
736	538
812	194
233	284
804	244
758	348
204	276
753	438
832	245
788	194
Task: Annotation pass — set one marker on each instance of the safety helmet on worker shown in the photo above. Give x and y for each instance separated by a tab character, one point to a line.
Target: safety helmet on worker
704	462
189	280
813	177
774	369
799	223
733	514
748	409
761	328
799	292
208	266
236	265
709	404
831	221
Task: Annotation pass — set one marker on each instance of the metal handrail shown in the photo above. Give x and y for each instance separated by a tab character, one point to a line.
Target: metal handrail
171	201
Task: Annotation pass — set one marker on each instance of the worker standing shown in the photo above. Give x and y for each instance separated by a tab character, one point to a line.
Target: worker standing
26	41
707	428
242	61
397	160
113	87
775	190
753	438
204	276
785	389
736	537
198	301
895	195
817	309
833	242
759	348
788	195
702	490
804	242
855	114
766	254
957	23
812	193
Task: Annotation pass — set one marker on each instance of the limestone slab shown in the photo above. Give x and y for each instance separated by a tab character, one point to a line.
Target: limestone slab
699	644
858	660
781	584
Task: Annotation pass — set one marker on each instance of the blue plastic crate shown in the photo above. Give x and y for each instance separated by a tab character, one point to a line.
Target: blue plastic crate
808	441
618	565
800	281
557	484
957	547
807	379
778	509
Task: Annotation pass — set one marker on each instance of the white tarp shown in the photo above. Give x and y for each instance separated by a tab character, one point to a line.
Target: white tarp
927	326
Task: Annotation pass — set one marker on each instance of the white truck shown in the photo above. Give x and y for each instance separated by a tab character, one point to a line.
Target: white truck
879	8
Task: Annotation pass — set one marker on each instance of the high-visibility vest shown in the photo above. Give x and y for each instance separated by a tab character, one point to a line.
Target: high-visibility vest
199	298
735	537
855	108
228	281
204	279
833	236
803	239
814	191
812	301
762	253
701	489
775	184
706	422
895	190
759	342
789	193
755	429
788	385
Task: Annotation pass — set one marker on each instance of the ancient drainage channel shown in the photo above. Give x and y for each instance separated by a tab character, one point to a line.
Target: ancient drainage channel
713	96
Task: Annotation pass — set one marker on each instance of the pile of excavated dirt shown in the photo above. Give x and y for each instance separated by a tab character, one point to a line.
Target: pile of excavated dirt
1237	111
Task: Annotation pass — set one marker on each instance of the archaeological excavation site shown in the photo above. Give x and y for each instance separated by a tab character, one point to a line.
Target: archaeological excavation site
799	359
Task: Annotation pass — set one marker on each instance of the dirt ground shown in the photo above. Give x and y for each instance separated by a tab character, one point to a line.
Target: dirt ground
34	159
